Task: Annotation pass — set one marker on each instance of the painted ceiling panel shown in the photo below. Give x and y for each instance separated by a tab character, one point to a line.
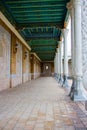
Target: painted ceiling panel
39	22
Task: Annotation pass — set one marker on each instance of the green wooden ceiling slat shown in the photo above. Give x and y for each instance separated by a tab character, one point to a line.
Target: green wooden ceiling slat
29	32
36	11
47	45
41	18
36	6
31	1
44	47
38	21
44	15
22	18
45	57
35	15
46	52
42	29
37	29
28	24
36	45
43	41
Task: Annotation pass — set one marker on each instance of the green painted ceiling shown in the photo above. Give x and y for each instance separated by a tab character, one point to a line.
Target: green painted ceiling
38	21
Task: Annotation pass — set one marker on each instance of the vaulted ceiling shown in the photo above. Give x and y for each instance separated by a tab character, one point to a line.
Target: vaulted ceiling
39	22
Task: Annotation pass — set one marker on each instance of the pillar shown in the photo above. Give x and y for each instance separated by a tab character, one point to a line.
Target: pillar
54	66
60	62
71	10
58	67
78	92
65	76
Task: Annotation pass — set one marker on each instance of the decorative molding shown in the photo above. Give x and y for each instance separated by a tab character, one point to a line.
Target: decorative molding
14	31
36	56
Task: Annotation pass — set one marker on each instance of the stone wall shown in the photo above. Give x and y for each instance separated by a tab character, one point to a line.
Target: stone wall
47	69
35	67
5	42
25	58
13	70
84	40
16	62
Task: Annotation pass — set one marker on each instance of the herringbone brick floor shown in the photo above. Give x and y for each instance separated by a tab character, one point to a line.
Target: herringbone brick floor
40	105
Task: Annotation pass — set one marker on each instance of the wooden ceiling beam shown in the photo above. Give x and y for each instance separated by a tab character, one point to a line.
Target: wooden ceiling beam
37	45
32	1
23	25
53	18
45	52
36	11
33	38
35	6
35	15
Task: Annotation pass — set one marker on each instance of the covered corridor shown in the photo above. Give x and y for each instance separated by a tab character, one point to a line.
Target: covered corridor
35	67
40	104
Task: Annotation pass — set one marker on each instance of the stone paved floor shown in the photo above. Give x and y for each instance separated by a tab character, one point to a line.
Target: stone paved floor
40	105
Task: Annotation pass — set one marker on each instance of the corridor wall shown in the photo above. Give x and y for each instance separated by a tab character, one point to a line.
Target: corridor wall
26	65
16	61
14	56
35	66
5	42
47	68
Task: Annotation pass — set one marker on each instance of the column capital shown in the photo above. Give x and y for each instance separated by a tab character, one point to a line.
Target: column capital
60	42
76	2
55	53
69	5
65	32
57	50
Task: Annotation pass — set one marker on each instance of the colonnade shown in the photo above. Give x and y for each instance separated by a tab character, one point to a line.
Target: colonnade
77	91
17	63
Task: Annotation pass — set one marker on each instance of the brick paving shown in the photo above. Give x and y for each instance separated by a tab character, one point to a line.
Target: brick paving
40	105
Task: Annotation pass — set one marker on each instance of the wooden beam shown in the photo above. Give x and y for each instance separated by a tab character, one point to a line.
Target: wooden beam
36	11
45	52
14	31
32	1
28	24
35	15
53	18
36	56
36	6
33	38
48	61
35	45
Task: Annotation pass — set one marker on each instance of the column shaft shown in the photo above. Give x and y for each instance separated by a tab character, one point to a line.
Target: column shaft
65	82
60	62
78	92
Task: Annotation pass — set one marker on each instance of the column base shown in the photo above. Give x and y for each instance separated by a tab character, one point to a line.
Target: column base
60	79
65	81
72	87
78	92
55	75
